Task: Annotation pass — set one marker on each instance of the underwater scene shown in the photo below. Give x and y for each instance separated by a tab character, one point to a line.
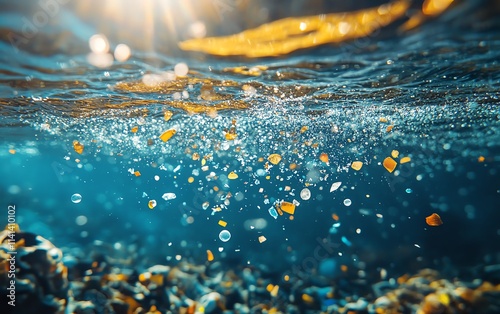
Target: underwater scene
237	156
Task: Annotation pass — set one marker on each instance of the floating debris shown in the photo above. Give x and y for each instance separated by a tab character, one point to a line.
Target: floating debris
433	220
167	115
356	165
324	157
389	128
274	159
152	204
210	256
262	239
287	207
346	241
167	134
168	196
335	186
222	223
134	129
305	194
395	154
137	173
389	164
232	175
78	147
76	198
224	235
272	211
404	160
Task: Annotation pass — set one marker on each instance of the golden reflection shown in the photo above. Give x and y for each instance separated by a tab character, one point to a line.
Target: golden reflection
290	34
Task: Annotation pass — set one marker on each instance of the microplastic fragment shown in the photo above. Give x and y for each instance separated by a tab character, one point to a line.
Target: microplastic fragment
167	115
272	211
137	173
167	134
190	180
210	256
305	194
287	207
395	154
433	220
356	165
262	239
404	160
152	204
169	196
232	175
78	147
274	159
222	223
134	129
335	186
324	157
389	164
389	128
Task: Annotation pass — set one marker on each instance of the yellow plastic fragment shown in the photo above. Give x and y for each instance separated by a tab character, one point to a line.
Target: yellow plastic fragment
395	154
152	204
137	173
12	151
78	147
404	160
356	165
307	298
262	239
167	134
389	164
190	180
232	175
167	115
383	120
290	34
210	256
304	129
134	129
222	223
269	287
480	159
287	207
274	159
274	291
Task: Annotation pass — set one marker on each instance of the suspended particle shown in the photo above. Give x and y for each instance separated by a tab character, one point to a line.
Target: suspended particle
272	211
346	241
78	147
304	129
210	256
433	220
224	235
356	165
262	239
287	207
76	198
335	186
152	204
190	179
389	128
404	160
305	194
395	154
222	223
134	129
389	164
205	205
137	173
274	159
324	157
169	196
347	202
167	115
167	134
232	175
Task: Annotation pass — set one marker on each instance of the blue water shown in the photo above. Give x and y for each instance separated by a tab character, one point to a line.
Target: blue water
439	87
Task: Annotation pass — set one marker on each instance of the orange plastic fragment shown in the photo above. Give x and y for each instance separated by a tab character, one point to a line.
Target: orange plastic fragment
78	147
134	129
356	165
344	268
390	164
389	128
210	256
433	220
137	173
12	151
274	159
335	217
287	207
324	157
167	134
480	159
435	7
404	160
